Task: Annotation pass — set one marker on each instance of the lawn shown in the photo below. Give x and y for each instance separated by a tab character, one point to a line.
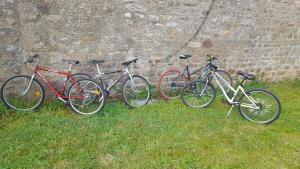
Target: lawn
160	135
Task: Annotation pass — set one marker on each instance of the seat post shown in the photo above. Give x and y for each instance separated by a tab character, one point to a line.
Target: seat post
242	82
98	69
70	67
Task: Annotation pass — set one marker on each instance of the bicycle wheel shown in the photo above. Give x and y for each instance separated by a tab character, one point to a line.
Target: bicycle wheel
170	84
76	76
20	93
86	97
136	92
269	107
198	94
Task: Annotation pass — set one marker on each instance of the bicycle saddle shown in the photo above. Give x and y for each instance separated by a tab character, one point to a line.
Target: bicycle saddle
72	62
247	75
96	61
185	56
129	62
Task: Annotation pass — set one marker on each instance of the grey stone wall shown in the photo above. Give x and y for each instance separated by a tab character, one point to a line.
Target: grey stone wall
10	34
260	36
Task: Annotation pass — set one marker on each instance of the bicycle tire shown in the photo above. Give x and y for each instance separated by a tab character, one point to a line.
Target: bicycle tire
147	85
88	92
10	106
192	87
77	76
272	96
164	76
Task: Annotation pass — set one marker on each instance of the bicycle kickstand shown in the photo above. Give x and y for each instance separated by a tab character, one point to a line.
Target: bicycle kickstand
230	110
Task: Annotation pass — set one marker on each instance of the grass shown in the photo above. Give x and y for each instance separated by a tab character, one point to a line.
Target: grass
160	135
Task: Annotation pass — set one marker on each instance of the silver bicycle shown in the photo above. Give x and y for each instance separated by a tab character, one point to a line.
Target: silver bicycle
135	89
256	105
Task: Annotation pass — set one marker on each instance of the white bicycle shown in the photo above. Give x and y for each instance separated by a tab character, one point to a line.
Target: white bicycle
256	105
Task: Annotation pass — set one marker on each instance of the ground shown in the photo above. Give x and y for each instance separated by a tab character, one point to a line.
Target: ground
160	135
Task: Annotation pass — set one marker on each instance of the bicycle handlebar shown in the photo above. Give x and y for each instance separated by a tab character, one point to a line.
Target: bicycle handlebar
32	59
129	62
211	58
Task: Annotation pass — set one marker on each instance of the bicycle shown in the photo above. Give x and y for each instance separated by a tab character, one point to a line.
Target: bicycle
135	89
26	93
172	80
256	105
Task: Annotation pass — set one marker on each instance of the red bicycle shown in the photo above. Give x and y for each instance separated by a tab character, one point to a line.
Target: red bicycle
26	93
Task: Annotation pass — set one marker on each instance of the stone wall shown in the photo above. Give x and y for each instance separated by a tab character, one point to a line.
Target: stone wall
260	36
10	44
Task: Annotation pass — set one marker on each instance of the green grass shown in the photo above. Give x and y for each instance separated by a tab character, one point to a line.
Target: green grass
160	135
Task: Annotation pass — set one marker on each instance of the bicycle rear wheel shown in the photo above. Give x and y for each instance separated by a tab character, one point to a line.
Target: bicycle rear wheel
76	76
86	97
22	93
170	84
136	92
198	94
269	107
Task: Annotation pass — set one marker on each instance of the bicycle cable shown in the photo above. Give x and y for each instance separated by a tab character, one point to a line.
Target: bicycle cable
196	33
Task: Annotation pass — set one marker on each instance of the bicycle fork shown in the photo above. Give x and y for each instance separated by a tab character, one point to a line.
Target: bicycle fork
30	82
132	83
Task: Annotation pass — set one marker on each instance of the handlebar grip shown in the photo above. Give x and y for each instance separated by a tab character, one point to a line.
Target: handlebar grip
35	56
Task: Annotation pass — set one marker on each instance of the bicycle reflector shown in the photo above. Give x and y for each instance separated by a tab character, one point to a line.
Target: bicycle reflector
37	93
97	92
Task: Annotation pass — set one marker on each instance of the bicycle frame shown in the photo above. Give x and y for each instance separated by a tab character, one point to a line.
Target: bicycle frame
189	73
108	88
60	95
231	100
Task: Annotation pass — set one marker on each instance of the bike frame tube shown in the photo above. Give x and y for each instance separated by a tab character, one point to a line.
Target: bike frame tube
125	72
216	76
189	74
198	70
60	95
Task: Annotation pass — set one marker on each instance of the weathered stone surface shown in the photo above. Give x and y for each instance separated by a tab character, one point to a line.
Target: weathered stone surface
257	36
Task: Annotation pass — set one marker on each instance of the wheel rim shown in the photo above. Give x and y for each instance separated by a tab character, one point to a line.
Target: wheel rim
170	87
194	94
267	104
76	78
136	92
15	97
93	100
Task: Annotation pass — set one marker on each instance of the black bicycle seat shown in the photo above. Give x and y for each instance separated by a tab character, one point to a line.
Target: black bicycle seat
72	62
96	61
185	56
247	75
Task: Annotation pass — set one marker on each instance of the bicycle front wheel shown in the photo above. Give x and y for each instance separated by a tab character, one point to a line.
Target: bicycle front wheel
22	93
260	106
136	91
86	97
198	94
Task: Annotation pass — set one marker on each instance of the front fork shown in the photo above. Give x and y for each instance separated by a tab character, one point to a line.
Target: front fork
30	82
132	83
